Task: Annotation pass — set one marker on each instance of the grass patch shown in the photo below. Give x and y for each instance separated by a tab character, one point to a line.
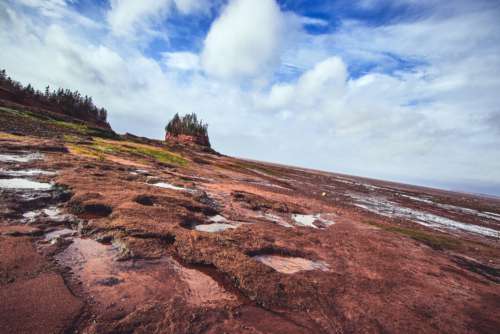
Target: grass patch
25	113
84	129
5	135
435	241
71	138
77	127
8	110
239	165
103	133
141	151
67	126
438	242
84	151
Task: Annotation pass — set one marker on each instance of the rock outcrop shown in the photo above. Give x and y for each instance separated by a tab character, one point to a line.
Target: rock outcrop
187	139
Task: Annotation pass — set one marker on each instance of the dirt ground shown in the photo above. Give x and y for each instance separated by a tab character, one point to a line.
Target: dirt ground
113	236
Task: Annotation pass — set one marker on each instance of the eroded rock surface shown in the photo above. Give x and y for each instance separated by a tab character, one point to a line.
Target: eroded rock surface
194	242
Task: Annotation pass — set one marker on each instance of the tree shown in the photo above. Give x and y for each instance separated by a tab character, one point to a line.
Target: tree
61	100
187	125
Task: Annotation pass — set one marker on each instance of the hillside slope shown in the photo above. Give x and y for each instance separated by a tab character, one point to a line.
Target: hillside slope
141	236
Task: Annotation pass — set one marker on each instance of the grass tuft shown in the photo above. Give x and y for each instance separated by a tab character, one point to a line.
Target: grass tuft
435	241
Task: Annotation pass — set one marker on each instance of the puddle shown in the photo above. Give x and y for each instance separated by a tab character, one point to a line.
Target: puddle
63	233
492	215
265	184
418	199
166	185
277	219
218	224
311	220
214	227
123	286
18	183
387	208
218	219
459	209
27	172
53	213
259	172
140	172
290	265
346	181
4	157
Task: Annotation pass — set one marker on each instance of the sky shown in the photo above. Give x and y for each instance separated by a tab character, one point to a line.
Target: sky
404	90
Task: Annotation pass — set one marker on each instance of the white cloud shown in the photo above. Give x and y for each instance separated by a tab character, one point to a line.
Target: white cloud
185	61
126	18
58	10
313	21
437	121
245	40
47	7
192	6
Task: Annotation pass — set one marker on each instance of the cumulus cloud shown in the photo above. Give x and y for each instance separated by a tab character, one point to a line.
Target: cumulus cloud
185	61
245	40
128	17
426	111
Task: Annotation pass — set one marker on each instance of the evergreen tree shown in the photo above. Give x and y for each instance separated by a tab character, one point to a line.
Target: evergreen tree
60	100
187	125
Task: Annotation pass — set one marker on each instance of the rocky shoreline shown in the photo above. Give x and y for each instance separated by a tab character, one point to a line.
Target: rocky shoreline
122	236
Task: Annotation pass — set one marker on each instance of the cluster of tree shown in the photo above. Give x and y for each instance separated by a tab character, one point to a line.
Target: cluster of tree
187	125
61	100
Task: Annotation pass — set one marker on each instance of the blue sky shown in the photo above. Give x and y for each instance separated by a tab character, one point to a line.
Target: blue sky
404	90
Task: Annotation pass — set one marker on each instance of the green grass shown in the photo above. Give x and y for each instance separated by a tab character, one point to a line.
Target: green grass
8	110
66	126
5	135
25	113
71	138
103	142
85	151
84	129
77	127
136	150
435	241
239	165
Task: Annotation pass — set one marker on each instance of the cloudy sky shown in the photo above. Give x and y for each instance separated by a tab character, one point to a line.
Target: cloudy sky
407	90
